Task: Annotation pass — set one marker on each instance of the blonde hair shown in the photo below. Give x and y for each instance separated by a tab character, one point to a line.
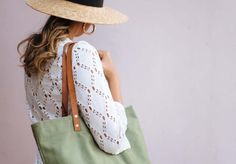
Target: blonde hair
42	46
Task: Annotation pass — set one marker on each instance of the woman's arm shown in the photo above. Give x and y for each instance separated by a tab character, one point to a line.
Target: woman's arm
114	85
103	115
111	75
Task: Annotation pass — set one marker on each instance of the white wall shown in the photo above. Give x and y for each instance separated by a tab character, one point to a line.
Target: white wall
176	62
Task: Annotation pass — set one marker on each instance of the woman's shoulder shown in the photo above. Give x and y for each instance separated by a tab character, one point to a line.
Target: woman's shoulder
85	44
80	43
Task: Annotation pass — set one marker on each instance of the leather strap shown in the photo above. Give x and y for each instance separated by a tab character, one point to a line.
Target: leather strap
64	84
68	83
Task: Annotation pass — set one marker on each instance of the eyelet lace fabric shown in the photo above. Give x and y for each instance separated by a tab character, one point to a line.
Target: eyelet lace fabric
105	117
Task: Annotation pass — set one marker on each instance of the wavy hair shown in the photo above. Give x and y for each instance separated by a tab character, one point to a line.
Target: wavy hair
42	46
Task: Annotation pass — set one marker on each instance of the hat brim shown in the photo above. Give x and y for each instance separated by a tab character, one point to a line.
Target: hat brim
78	12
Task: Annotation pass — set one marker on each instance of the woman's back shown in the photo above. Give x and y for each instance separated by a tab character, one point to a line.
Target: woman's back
44	91
104	117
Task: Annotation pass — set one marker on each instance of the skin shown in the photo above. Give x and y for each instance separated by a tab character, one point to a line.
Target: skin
111	74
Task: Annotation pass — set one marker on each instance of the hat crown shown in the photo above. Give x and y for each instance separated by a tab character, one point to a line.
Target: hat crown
93	3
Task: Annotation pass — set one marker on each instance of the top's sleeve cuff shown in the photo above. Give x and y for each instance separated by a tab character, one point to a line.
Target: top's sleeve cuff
120	109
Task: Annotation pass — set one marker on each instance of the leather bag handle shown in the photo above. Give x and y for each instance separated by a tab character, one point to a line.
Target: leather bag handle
68	85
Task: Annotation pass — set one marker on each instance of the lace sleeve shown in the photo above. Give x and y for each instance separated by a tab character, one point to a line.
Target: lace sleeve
105	117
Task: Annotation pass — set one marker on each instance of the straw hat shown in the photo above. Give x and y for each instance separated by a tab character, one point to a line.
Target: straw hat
88	11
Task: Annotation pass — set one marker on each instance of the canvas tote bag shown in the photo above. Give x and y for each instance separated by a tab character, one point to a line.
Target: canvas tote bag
67	140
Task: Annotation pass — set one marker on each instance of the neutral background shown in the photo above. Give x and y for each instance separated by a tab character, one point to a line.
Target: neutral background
176	62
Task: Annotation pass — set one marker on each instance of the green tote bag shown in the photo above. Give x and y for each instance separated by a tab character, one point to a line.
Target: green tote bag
67	140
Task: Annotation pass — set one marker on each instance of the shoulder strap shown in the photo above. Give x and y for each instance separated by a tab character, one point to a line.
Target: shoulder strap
68	83
64	83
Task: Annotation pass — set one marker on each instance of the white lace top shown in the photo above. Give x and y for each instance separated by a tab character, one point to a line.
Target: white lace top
105	117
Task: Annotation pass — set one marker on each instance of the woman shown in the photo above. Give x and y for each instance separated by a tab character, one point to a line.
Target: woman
95	77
